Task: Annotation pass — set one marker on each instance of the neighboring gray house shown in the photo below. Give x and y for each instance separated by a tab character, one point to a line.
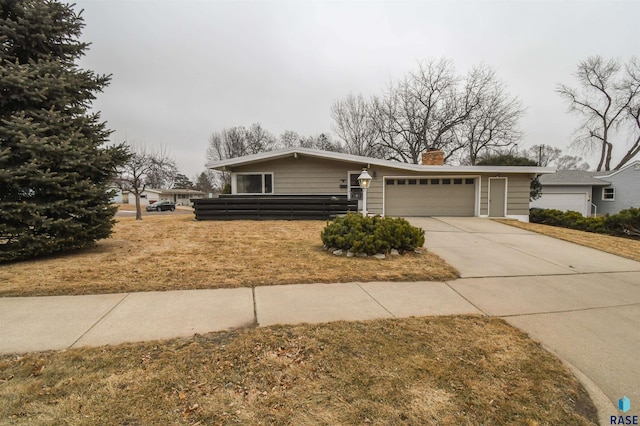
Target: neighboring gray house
397	189
591	193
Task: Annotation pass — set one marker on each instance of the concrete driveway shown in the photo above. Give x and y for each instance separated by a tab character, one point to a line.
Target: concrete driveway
581	303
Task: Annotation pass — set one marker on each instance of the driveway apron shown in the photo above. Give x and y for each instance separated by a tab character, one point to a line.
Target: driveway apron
580	303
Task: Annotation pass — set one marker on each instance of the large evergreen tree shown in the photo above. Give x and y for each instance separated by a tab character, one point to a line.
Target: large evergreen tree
55	170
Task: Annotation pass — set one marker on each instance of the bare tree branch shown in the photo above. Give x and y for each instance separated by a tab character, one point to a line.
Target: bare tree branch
605	103
143	164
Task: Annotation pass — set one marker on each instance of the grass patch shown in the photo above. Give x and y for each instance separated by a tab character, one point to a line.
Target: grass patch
173	252
625	247
439	370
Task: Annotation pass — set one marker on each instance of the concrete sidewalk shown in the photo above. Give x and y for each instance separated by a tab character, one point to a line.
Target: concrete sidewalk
62	322
588	320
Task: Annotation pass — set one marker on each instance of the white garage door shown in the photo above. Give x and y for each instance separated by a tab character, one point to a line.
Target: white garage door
430	197
564	201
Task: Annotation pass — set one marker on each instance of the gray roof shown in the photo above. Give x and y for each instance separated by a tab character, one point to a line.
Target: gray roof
573	178
369	162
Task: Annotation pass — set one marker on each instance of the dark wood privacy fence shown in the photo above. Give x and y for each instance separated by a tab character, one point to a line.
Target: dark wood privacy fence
263	207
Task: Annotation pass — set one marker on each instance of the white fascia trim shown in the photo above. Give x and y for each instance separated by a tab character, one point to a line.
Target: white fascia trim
618	171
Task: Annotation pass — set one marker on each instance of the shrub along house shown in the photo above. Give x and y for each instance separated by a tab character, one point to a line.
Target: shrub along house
397	189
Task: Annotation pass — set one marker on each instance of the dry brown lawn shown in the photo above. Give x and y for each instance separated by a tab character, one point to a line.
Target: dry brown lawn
624	247
131	207
420	371
170	251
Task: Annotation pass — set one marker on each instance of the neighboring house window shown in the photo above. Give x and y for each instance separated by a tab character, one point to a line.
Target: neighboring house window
258	183
608	194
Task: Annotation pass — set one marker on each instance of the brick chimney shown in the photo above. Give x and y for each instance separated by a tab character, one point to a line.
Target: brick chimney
433	158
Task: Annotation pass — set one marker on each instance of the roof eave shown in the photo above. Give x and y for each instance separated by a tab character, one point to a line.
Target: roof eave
224	165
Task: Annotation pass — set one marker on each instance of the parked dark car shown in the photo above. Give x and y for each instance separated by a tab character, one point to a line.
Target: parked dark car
161	206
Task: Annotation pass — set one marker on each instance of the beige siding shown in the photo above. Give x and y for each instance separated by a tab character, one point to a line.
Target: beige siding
305	175
517	194
518	187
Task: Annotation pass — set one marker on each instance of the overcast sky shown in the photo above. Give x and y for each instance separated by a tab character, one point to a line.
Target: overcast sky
184	69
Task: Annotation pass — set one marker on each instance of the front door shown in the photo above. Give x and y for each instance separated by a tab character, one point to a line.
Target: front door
497	197
355	192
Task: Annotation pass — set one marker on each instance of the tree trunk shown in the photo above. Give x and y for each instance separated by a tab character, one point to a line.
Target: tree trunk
138	209
607	164
602	156
635	149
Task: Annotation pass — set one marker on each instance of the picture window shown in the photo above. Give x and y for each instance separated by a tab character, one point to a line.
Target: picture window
259	183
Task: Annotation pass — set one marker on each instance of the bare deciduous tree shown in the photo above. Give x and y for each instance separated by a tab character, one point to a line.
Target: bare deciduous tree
289	139
434	108
144	163
608	101
493	123
418	112
354	124
545	155
238	142
571	162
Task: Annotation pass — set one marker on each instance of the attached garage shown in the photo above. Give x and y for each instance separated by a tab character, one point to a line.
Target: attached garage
430	196
565	201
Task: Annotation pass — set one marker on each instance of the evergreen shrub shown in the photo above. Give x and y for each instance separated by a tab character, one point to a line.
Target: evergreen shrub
625	223
371	235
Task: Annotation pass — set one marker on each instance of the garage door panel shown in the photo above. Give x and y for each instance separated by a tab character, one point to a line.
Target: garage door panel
564	201
430	200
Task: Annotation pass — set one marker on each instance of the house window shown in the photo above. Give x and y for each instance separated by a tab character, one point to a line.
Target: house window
435	181
424	181
412	181
457	181
390	181
446	181
401	181
468	181
256	183
608	194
